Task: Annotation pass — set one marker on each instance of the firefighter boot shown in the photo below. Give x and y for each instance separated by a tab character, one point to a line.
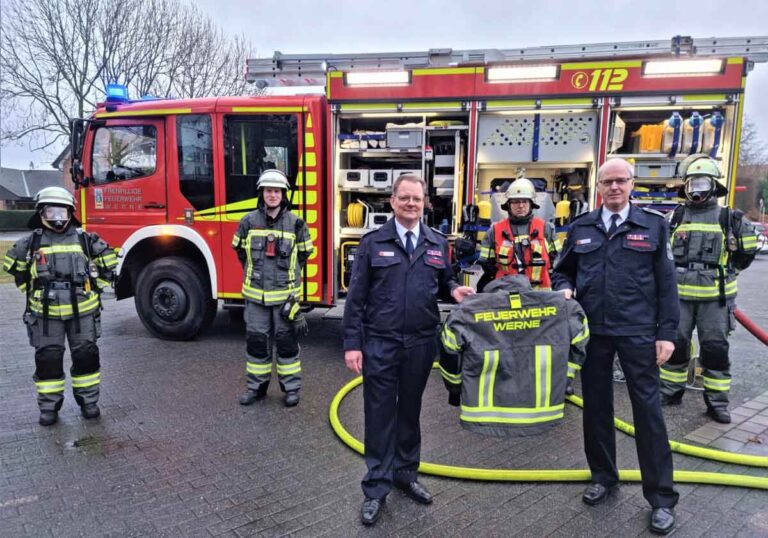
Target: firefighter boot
48	418
250	396
90	411
291	398
716	388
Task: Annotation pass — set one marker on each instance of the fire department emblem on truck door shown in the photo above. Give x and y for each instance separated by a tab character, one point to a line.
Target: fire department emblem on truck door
98	199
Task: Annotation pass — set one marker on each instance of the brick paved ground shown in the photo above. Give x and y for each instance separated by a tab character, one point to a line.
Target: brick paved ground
174	455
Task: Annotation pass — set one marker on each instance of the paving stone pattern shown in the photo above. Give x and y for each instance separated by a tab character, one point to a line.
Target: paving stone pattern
175	455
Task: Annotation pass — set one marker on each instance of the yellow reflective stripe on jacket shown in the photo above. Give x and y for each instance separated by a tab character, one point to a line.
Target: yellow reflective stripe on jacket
673	376
62	249
721	385
9	261
748	242
487	378
512	415
707	292
84	307
453	379
268	231
268	297
236	240
306	246
50	387
583	335
543	357
103	283
83	381
289	369
258	368
487	253
449	339
573	368
107	261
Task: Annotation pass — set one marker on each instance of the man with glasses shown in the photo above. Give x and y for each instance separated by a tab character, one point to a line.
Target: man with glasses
390	328
521	244
617	261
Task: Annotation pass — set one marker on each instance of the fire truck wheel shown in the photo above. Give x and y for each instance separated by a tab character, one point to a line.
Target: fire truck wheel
173	300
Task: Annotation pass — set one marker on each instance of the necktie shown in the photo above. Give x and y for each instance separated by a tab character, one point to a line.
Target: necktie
409	246
614	224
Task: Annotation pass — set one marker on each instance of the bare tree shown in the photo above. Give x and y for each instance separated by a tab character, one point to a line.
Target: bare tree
57	57
752	149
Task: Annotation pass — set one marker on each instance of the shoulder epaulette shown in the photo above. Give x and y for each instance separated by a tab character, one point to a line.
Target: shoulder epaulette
438	232
652	212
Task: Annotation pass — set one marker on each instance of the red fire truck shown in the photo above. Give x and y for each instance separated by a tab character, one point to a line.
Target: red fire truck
167	181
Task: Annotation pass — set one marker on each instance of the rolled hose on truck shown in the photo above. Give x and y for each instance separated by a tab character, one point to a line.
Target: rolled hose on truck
750	325
571	475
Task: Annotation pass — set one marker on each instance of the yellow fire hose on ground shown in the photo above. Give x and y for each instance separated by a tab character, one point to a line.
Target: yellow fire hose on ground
572	475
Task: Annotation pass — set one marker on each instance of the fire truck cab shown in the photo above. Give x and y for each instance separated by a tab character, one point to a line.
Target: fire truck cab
167	181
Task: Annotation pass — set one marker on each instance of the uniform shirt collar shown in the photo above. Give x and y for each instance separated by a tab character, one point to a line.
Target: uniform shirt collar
401	230
605	215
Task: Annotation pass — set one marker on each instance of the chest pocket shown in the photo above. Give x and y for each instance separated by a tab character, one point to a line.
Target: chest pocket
586	248
257	250
284	253
705	247
382	262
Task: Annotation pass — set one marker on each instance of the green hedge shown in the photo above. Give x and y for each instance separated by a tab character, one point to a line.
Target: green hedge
15	219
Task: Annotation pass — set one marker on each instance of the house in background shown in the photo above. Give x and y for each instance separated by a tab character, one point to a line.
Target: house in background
18	187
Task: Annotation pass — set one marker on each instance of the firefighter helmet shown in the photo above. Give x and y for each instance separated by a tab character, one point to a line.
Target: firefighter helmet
700	173
273	178
54	207
521	189
54	196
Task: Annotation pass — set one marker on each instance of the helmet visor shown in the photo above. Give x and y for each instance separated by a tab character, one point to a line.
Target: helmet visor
698	187
56	216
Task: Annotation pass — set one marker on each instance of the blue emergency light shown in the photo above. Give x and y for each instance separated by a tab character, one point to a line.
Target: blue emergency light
117	93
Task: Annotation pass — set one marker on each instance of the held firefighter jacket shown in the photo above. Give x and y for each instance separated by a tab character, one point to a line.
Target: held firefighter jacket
624	282
508	352
61	273
528	249
709	245
392	296
274	252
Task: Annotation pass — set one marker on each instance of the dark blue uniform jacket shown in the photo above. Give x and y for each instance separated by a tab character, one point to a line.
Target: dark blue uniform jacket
626	284
393	297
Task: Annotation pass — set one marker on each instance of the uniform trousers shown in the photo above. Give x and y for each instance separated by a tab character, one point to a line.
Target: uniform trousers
394	378
637	355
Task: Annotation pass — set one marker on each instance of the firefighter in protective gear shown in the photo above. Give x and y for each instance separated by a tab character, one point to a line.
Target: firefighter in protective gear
507	354
273	245
521	244
62	270
710	245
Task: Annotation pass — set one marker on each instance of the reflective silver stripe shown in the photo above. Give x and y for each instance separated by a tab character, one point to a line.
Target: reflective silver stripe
487	376
50	387
543	375
673	376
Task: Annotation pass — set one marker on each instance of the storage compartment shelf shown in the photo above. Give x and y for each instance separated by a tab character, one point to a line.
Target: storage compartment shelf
373	152
366	190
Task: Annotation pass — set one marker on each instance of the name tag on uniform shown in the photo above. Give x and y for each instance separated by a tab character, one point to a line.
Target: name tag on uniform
386	253
584	241
637	237
435	253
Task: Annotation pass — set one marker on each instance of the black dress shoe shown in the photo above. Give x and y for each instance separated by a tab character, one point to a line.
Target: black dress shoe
371	510
291	398
719	414
416	491
48	418
596	493
250	396
90	411
662	520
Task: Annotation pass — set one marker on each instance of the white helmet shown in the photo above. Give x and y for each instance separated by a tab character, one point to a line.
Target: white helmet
54	207
54	196
273	178
522	189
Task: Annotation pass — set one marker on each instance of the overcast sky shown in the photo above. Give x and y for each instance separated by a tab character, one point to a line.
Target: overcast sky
310	26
